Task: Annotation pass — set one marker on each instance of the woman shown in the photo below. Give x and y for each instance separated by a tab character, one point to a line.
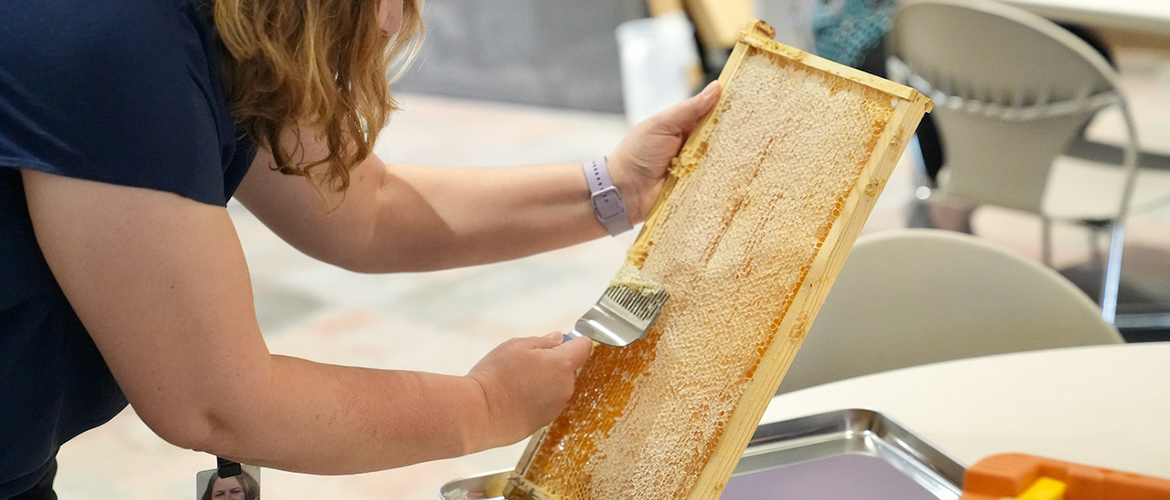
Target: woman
239	487
125	129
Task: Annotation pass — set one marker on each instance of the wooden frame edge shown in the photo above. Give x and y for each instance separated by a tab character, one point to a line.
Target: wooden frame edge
853	74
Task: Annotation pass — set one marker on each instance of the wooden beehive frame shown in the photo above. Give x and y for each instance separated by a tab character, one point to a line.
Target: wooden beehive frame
758	36
822	271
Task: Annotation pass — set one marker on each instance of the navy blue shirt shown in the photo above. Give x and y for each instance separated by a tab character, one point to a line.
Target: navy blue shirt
126	93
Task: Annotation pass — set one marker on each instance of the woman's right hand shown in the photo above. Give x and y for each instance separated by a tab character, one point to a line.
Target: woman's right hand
525	383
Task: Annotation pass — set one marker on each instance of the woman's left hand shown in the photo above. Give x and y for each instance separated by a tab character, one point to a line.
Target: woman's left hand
638	166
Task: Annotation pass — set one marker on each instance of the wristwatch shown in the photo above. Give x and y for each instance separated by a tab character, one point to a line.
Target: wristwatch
607	201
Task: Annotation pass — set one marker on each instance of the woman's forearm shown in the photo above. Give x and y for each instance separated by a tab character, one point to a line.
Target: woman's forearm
431	218
328	419
410	218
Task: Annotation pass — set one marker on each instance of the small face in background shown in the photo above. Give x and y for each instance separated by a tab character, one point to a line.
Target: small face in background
227	488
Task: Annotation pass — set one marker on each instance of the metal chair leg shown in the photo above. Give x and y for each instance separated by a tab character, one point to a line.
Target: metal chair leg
1111	275
1046	240
918	214
1095	232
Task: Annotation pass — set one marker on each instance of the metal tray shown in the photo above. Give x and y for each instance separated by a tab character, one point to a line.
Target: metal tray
782	453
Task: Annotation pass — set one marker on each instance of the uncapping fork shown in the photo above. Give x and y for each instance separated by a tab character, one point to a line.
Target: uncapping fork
622	315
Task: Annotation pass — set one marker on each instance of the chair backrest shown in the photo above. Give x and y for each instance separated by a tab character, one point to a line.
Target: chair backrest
909	297
1011	89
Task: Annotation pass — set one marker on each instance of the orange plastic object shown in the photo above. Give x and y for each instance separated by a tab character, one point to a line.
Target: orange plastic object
1008	475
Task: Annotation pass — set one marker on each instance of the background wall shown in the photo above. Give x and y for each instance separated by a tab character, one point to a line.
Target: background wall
559	53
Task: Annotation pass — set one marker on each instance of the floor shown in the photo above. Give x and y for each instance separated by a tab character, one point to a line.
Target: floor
445	321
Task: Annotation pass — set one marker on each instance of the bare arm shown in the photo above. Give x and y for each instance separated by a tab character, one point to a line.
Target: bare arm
410	217
161	284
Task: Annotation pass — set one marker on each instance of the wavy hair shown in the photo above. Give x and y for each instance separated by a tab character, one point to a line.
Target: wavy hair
324	63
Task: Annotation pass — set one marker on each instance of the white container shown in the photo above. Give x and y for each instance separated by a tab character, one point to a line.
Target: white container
659	63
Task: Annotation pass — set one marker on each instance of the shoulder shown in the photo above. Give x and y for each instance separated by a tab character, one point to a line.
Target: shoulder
121	92
82	38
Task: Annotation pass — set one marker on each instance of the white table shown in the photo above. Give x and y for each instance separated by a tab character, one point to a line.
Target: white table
1148	17
1103	406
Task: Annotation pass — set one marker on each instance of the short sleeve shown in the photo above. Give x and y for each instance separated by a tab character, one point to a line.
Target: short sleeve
123	92
126	94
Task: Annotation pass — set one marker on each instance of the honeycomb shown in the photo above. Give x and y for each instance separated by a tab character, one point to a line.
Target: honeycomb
754	200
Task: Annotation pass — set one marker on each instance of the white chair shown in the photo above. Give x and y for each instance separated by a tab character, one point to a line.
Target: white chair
1013	92
909	297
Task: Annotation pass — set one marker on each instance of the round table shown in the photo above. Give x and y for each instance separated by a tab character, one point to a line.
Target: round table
1105	406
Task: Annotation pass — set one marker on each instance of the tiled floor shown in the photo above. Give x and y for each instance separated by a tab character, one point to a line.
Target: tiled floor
445	321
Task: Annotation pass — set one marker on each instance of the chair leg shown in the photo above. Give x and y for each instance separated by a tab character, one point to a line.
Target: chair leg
1095	233
1046	240
1111	275
919	215
919	209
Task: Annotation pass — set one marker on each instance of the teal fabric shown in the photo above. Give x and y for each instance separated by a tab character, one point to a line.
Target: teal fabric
845	30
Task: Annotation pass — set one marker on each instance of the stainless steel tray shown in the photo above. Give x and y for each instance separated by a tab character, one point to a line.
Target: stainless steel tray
807	442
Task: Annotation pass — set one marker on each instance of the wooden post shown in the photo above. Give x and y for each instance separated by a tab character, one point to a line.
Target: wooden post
718	21
660	7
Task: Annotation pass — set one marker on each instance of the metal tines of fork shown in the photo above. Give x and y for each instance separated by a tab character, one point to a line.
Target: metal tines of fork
622	315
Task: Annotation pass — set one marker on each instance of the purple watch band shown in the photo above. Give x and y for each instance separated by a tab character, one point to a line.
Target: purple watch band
607	202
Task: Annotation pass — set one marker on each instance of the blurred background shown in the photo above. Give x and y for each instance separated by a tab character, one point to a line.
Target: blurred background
506	82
